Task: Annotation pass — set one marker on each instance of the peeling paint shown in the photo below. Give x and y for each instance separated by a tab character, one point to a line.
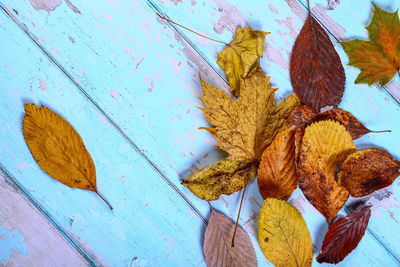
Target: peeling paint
48	5
230	18
11	242
71	6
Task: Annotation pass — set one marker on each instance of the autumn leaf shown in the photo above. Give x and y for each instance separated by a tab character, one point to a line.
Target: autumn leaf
277	176
217	244
58	149
316	72
246	126
379	58
222	177
354	126
325	144
300	117
241	55
283	234
343	236
367	170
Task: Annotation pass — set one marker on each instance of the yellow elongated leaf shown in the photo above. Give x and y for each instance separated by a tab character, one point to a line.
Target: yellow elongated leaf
217	248
58	149
325	144
246	126
241	55
222	177
283	235
277	176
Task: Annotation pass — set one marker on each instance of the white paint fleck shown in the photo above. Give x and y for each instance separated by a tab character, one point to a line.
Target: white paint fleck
114	94
43	85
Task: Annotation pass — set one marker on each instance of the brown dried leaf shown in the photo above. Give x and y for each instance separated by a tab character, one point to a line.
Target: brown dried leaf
354	126
325	144
367	170
217	248
343	236
277	177
58	149
316	71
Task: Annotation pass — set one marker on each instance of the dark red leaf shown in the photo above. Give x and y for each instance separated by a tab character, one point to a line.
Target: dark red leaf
343	236
316	71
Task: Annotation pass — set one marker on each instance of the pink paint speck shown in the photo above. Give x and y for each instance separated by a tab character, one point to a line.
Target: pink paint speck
101	118
43	85
24	165
55	51
114	94
107	16
44	39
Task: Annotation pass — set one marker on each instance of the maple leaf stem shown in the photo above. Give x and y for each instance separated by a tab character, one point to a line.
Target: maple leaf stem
108	203
237	219
199	34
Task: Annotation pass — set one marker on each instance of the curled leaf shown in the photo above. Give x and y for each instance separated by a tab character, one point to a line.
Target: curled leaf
217	244
277	177
379	58
343	236
283	234
316	72
325	144
246	126
367	170
240	56
58	149
222	177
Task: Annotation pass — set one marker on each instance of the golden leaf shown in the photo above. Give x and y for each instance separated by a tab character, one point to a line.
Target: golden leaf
241	55
222	177
58	149
246	126
367	170
325	144
277	176
283	234
379	58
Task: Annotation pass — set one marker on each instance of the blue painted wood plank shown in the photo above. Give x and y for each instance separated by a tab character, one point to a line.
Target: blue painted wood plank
115	48
150	224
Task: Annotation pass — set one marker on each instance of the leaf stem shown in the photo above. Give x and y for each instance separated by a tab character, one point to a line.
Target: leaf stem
108	203
237	219
199	34
384	131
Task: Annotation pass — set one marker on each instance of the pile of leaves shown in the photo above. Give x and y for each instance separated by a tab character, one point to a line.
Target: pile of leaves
294	143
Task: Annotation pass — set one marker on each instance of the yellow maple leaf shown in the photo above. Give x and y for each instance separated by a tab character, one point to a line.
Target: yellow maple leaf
241	55
325	144
379	58
283	234
246	126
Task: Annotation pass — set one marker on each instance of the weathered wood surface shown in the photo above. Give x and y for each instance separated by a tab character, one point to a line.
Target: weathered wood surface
27	238
129	84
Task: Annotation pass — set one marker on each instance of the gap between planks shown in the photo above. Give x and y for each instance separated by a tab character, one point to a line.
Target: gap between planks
101	110
43	211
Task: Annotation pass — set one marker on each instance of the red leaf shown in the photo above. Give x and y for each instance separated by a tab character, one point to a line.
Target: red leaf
343	236
316	71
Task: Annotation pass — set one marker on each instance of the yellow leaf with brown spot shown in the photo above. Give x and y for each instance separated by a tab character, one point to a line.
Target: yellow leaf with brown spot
241	55
379	58
246	126
367	170
325	144
283	235
58	149
222	177
277	176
